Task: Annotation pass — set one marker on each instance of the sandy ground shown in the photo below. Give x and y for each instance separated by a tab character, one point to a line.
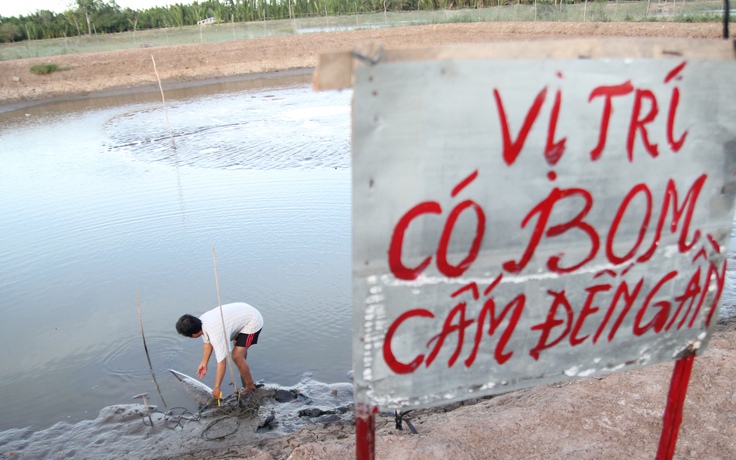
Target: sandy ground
617	417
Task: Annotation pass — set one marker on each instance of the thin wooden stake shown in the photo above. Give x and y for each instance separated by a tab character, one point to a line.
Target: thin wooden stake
672	417
224	331
145	347
163	99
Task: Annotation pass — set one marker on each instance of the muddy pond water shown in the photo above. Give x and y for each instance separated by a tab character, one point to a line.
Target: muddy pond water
97	208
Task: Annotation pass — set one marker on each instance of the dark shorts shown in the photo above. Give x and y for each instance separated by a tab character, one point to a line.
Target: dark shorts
246	340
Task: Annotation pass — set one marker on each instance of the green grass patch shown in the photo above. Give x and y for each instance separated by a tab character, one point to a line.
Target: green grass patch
47	68
462	17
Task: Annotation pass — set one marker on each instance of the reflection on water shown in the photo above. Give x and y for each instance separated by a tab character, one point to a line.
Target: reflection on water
95	208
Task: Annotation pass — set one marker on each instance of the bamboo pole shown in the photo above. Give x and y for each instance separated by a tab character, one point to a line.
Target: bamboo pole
163	100
224	330
145	347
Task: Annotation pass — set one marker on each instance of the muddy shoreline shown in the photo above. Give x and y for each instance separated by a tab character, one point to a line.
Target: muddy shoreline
618	416
232	81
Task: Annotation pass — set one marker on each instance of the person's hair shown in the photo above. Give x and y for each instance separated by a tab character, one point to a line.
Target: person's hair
188	325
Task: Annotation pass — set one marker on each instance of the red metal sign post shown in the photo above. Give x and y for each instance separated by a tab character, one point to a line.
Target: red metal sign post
365	432
672	417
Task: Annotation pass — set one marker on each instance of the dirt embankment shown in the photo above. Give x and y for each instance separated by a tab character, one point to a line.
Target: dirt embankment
95	72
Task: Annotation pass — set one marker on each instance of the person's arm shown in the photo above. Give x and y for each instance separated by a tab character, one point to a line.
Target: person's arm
219	376
206	353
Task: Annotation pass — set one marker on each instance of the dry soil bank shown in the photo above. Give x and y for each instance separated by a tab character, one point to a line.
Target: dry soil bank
95	72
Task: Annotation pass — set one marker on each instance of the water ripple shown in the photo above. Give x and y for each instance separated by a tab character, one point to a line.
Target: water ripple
128	361
261	131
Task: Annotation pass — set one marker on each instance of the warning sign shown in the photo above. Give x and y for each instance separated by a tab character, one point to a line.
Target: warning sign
519	222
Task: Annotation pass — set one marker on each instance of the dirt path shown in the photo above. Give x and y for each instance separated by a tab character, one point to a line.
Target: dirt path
94	72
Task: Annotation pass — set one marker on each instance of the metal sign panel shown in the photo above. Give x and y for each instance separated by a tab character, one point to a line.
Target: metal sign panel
522	222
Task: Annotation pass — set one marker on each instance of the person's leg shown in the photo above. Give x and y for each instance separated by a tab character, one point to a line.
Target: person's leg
240	355
239	358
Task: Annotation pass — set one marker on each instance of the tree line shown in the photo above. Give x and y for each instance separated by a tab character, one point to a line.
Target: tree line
89	17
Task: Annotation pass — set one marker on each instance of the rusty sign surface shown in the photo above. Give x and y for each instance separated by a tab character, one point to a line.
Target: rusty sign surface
527	221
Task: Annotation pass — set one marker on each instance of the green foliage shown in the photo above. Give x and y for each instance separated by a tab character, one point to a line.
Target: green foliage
463	17
47	68
598	13
703	17
696	17
10	32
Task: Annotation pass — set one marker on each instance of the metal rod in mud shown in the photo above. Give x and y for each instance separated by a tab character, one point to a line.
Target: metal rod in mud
145	347
163	99
230	364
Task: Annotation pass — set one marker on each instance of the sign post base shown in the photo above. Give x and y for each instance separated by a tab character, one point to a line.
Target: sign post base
672	417
365	432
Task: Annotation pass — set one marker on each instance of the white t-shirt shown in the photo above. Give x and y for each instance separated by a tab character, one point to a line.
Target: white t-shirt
240	318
